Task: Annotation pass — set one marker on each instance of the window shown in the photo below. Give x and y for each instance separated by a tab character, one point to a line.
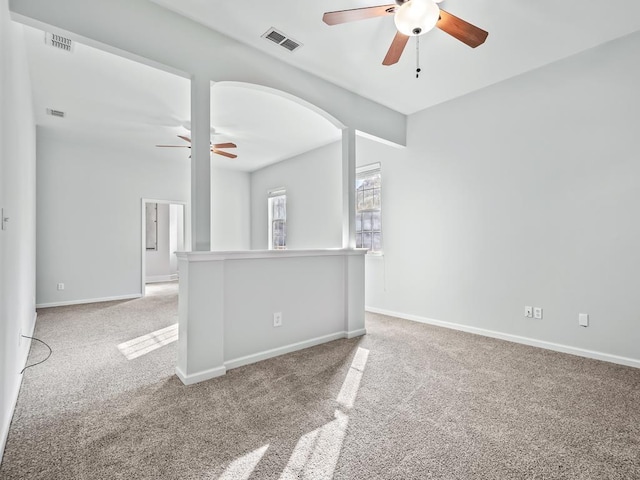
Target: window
151	215
277	219
368	215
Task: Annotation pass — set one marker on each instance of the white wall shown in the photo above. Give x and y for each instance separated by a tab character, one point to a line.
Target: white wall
89	218
176	235
524	193
230	210
17	196
228	300
314	199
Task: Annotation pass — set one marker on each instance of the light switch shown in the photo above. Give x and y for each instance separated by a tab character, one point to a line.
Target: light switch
583	319
4	216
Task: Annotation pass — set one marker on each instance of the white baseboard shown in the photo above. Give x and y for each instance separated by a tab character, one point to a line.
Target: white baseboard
161	278
4	429
200	376
356	333
257	357
606	357
89	300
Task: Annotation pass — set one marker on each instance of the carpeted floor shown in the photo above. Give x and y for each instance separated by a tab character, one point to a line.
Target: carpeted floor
407	401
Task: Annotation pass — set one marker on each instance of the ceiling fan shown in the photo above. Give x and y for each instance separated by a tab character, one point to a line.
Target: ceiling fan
214	147
412	18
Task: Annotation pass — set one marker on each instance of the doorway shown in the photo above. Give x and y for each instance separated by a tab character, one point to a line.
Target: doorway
163	234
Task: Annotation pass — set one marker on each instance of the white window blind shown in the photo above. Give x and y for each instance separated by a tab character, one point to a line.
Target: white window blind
368	208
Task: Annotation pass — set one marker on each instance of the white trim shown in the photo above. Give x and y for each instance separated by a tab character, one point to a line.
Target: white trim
257	357
371	167
356	333
384	141
4	433
245	254
276	192
201	376
186	212
89	300
300	101
606	357
161	278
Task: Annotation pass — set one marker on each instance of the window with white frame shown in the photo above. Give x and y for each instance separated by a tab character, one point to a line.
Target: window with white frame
368	208
277	219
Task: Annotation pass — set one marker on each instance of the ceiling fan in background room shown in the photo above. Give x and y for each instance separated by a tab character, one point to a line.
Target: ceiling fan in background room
412	18
214	147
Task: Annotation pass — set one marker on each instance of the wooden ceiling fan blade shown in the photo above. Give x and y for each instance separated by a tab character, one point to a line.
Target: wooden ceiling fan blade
396	49
463	31
224	145
224	154
344	16
185	138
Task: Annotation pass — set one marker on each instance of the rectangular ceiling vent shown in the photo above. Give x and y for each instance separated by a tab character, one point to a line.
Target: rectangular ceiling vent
281	39
58	41
55	113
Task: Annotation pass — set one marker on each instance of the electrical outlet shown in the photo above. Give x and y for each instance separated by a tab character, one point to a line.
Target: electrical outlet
61	286
528	312
537	312
277	319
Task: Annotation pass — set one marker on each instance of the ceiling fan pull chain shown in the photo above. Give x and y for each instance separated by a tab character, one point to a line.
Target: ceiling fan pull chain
417	56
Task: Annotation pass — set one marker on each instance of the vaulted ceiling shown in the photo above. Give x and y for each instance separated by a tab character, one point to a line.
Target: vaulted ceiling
111	100
110	97
523	35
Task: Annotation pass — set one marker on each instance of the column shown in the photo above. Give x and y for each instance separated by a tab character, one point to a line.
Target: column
200	163
348	188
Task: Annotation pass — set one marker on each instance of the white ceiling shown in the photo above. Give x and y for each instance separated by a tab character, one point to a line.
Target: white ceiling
523	35
107	98
110	98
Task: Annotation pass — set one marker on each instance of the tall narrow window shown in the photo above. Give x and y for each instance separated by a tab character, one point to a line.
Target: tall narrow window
368	208
277	219
151	215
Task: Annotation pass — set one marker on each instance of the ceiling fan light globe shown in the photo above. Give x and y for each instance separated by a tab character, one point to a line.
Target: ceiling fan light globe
416	17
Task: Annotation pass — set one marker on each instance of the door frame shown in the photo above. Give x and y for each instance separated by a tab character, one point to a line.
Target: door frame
143	231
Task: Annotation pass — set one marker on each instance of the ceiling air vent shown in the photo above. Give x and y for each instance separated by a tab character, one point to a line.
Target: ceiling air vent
290	44
281	39
55	113
58	41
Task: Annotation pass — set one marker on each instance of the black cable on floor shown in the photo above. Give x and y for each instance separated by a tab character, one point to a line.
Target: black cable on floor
41	361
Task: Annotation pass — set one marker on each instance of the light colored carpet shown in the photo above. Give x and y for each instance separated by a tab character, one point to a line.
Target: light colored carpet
408	401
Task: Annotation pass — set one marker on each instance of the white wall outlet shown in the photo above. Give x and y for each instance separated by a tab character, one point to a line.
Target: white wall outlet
528	312
583	319
277	319
537	312
61	286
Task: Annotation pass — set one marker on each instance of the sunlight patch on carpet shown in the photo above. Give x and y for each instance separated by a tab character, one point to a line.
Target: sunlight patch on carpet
242	468
316	453
147	343
351	383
